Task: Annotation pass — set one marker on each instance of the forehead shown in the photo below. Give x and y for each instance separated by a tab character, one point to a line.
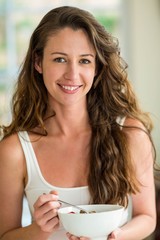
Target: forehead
68	38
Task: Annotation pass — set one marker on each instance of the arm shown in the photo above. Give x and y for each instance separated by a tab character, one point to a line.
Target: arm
144	210
12	178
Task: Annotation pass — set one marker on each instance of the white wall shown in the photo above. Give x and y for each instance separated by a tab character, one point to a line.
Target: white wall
141	24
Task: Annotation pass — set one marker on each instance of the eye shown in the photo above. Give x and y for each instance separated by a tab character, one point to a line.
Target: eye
85	61
59	60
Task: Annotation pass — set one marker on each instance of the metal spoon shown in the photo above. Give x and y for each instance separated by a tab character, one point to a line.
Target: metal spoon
75	206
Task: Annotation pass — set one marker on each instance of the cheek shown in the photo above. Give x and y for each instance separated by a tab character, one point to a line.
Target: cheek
49	75
48	80
90	78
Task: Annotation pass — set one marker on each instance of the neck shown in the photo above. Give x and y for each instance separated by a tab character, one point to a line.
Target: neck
69	121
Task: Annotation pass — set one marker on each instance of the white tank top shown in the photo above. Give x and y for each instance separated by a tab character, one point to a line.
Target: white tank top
37	185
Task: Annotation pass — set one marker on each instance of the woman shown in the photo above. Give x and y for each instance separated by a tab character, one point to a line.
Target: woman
77	133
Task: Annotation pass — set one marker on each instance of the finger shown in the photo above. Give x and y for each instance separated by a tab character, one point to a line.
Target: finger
43	219
74	237
115	233
111	237
54	192
49	207
51	225
45	198
71	237
68	235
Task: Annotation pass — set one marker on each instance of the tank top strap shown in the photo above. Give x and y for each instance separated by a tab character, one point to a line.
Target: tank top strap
31	162
120	121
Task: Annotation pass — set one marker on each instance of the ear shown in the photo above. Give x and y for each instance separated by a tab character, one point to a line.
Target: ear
38	64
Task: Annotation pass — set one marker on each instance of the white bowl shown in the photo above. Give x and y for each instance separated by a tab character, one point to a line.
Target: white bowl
92	225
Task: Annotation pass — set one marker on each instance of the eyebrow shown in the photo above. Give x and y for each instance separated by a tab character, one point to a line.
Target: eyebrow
82	55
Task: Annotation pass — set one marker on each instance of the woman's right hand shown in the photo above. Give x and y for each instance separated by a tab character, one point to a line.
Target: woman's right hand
45	212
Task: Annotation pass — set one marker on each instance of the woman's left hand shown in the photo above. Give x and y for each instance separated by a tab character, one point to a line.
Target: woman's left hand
72	237
115	234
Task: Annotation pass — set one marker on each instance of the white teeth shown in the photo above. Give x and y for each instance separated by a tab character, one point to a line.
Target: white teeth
69	88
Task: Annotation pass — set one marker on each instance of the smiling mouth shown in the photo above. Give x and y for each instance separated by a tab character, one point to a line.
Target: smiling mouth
70	88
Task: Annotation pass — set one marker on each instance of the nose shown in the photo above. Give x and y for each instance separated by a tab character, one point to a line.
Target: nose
71	72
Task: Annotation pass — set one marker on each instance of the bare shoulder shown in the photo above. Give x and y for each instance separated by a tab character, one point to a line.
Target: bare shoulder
140	145
135	130
11	152
133	123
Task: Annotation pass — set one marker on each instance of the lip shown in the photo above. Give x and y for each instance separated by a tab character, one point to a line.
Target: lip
69	88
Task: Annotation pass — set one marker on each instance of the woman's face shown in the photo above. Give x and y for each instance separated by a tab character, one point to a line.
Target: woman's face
68	66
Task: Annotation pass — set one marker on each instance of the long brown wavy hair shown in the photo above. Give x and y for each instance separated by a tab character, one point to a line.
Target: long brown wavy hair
111	176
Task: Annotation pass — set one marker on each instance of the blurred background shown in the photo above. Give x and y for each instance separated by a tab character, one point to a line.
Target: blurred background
136	23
